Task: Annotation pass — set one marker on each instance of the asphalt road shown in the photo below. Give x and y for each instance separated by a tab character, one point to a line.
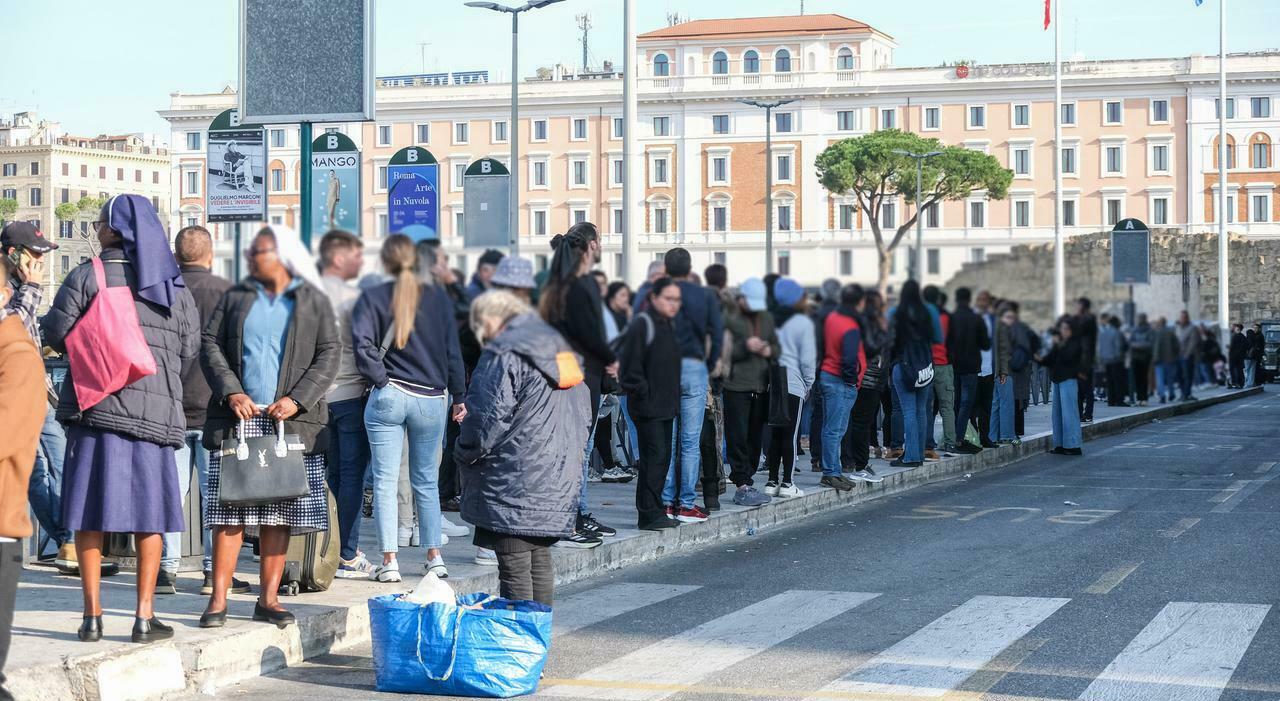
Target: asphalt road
1144	571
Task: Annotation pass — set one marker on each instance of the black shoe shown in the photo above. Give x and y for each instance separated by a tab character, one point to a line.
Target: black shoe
238	586
166	582
1072	451
660	524
588	523
90	629
710	504
988	444
280	618
837	483
213	619
909	465
149	630
454	504
967	448
1059	451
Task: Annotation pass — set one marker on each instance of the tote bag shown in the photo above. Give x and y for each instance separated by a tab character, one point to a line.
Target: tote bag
262	470
100	368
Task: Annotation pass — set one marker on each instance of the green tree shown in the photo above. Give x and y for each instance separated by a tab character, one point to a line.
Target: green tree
8	208
868	168
66	211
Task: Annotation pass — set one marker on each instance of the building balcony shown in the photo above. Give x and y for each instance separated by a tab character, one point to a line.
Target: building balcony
747	81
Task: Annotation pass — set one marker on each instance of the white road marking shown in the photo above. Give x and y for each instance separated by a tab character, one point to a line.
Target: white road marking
941	656
590	607
695	654
1182	526
1246	490
1187	653
1112	579
1229	492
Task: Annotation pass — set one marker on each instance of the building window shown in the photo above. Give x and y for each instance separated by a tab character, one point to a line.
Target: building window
277	179
1022	161
579	129
459	175
1022	115
847	216
1260	107
1261	208
193	141
137	176
782	122
9	193
423	133
382	177
784	168
784	217
619	128
888	215
539	174
720	124
578	216
66	229
977	254
1069	160
1022	213
662	126
661	66
35	167
1231	108
619	222
845	120
1159	111
384	134
844	59
64	196
1113	207
10	170
1068	212
540	223
719	257
500	132
578	168
846	262
660	215
933	261
1260	155
977	214
459	224
1112	112
751	62
931	215
977	116
720	63
120	174
1114	156
720	170
461	132
102	172
37	197
720	218
66	169
277	138
784	262
888	118
660	171
1160	210
932	118
619	171
1160	158
191	182
539	130
782	61
1069	114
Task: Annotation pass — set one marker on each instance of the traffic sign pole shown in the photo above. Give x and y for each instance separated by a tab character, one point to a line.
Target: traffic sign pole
304	186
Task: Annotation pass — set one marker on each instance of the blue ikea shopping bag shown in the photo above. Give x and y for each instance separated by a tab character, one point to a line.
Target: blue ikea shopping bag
497	650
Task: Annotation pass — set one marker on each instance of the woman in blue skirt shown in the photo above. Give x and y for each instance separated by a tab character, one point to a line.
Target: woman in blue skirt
119	475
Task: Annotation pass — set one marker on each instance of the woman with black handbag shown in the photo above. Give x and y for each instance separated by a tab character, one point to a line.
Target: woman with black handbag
912	363
273	342
789	384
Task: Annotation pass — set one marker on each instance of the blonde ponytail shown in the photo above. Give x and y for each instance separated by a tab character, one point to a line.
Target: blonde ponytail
399	259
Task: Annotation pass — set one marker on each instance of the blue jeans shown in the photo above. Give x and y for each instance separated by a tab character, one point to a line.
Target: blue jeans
1250	372
1066	415
896	427
837	401
390	413
1186	375
586	459
632	438
192	454
1002	411
915	412
967	390
348	461
686	441
1166	379
44	491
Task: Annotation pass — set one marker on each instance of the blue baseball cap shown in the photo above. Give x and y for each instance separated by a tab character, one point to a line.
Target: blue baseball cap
753	290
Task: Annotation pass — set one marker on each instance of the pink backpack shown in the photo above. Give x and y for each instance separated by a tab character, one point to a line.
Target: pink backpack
106	349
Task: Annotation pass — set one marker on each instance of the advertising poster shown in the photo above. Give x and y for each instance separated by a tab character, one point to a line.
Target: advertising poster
237	162
335	185
413	190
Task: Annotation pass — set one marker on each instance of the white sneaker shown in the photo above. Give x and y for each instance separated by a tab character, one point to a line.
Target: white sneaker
406	537
449	528
486	557
387	572
771	488
789	491
436	566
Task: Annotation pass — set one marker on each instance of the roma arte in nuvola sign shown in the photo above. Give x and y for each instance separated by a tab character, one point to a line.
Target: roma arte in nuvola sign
413	197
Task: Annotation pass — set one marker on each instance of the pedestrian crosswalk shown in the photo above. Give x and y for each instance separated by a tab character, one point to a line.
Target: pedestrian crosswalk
1187	652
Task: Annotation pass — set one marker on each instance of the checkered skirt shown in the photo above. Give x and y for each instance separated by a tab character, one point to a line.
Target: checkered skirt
306	514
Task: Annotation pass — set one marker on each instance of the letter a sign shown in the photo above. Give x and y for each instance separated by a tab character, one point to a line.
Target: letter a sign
1130	253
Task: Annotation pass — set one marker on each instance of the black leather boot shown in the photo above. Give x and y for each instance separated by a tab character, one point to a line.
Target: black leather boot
90	629
149	630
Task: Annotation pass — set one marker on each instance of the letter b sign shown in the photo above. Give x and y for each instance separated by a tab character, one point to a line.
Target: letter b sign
486	166
412	156
331	142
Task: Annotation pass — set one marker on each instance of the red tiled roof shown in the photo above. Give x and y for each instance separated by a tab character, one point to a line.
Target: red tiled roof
759	26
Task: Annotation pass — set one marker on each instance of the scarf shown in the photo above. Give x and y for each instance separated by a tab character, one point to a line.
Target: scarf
147	247
295	255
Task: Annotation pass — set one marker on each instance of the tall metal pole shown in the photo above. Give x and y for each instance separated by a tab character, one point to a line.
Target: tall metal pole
304	187
632	163
1059	244
1224	310
768	189
513	137
919	263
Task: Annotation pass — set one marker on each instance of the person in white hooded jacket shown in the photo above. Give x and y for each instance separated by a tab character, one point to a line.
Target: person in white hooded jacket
799	357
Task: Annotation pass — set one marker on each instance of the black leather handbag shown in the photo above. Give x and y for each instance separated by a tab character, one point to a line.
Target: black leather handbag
261	470
779	408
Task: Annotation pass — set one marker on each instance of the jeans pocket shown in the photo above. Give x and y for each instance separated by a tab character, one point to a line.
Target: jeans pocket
383	400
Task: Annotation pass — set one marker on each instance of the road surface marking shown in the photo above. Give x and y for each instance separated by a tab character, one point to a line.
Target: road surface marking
590	607
1265	467
1182	526
697	653
1187	653
1111	579
1004	663
1229	492
941	656
1245	492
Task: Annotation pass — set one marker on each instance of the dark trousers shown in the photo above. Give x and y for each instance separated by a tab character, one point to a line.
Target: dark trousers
655	460
886	424
966	400
450	482
1141	374
1019	417
10	569
527	576
1186	375
745	414
710	444
862	429
982	406
1117	384
348	459
1085	398
782	444
815	428
1237	372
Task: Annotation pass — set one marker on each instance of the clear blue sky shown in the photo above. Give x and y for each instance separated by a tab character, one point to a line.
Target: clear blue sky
100	68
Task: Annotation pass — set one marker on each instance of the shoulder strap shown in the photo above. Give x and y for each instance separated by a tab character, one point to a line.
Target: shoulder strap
649	330
387	338
99	273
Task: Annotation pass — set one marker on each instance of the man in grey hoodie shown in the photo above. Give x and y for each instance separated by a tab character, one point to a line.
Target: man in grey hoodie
1188	349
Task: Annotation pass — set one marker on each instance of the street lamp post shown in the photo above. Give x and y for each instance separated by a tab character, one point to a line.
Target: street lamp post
513	129
768	174
917	261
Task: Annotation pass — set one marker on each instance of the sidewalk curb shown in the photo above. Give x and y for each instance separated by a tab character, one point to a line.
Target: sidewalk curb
209	664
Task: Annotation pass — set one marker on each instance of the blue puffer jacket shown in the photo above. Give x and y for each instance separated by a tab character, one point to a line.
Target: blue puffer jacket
520	448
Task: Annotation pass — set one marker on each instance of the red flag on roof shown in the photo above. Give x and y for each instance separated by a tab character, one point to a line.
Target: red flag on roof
1046	13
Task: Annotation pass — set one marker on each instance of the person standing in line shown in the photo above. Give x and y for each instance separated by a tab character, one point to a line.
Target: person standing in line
1142	342
944	384
862	419
1236	351
883	428
22	410
657	270
1165	353
982	304
193	247
272	342
1257	347
651	370
844	362
1209	355
1086	327
120	474
967	338
829	299
571	303
1002	422
1026	344
1063	360
700	332
711	442
1112	347
486	268
799	354
746	388
913	335
1188	351
518	450
618	314
515	275
406	346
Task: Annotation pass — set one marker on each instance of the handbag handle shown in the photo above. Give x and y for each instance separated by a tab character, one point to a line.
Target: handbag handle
242	446
453	654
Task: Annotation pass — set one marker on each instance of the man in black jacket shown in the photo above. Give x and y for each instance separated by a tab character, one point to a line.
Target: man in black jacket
1086	330
1236	353
966	339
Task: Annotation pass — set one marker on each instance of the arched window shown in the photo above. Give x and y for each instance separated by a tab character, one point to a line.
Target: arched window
1260	151
782	61
720	63
751	62
661	66
1231	152
844	59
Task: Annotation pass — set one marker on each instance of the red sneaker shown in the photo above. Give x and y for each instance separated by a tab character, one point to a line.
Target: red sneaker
671	511
691	514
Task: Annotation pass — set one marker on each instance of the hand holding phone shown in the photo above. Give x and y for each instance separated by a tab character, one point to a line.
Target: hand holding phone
30	268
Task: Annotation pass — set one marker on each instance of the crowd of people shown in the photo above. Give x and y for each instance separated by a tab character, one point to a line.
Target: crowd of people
409	395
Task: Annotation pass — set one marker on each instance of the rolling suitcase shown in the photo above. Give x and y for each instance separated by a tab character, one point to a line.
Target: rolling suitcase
312	559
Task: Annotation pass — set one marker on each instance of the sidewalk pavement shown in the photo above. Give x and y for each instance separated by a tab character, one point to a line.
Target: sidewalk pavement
47	661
